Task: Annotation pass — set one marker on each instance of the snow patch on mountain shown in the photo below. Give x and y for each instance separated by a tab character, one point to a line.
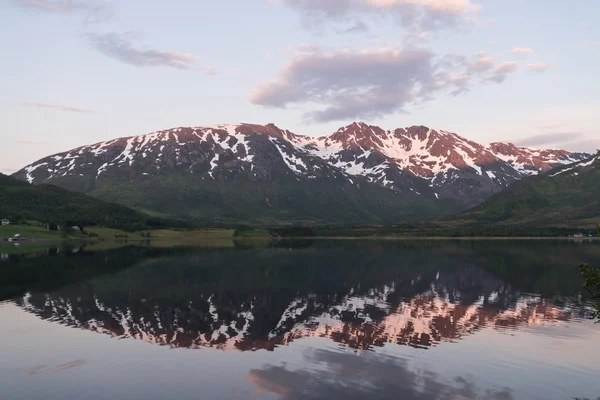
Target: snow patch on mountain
581	164
293	163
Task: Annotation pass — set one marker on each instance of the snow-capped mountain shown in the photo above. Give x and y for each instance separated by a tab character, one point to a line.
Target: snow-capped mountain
531	161
415	162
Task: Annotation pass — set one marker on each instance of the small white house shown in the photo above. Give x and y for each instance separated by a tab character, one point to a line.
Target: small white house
4	221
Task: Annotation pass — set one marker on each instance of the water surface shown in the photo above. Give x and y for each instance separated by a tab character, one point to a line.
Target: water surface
299	320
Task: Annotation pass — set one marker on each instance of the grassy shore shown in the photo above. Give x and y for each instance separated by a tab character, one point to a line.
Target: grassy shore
33	233
192	234
36	233
7	231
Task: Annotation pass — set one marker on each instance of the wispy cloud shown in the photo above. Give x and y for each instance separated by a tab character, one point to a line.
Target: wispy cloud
60	107
538	67
337	7
121	47
501	72
359	26
417	15
91	10
373	82
573	141
521	50
549	139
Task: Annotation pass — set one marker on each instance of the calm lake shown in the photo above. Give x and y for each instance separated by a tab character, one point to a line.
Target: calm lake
481	319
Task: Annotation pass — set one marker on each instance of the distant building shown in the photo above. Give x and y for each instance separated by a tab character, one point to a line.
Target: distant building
4	221
578	235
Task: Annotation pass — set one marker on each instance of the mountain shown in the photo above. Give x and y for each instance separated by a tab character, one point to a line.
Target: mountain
531	161
21	201
566	195
360	173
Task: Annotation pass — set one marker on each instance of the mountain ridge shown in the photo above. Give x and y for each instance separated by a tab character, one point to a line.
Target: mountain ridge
415	163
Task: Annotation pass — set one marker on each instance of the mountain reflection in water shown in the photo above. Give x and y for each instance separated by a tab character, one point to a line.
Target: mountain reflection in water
359	294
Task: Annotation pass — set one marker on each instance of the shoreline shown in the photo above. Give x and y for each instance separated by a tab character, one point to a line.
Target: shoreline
387	238
451	237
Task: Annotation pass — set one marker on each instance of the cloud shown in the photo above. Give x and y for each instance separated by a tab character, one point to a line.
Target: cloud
415	14
121	48
92	10
373	82
538	67
60	107
573	141
585	145
521	50
582	120
358	27
501	72
549	139
341	7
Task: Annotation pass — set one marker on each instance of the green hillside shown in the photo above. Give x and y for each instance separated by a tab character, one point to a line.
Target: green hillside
236	199
565	196
21	202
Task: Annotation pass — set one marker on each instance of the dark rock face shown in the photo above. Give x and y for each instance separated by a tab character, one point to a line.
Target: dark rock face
416	164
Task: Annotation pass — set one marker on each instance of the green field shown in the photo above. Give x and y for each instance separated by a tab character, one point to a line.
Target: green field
33	232
27	232
192	234
109	233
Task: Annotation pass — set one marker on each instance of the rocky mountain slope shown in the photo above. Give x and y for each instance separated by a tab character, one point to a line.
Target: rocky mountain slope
360	173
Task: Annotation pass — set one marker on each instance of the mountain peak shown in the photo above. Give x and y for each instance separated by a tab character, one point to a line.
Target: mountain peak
357	131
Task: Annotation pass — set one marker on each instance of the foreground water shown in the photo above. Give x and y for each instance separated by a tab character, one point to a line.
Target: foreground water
300	320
